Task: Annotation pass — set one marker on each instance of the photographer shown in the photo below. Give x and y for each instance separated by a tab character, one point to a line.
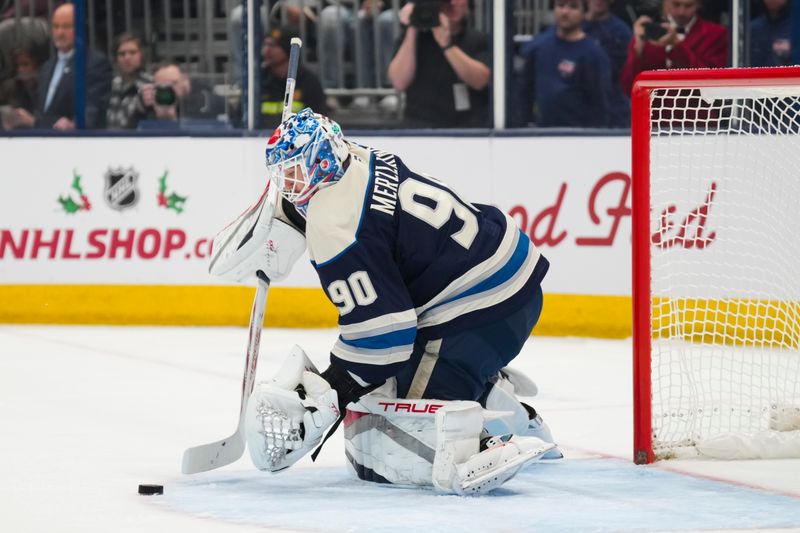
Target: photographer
682	40
442	65
173	96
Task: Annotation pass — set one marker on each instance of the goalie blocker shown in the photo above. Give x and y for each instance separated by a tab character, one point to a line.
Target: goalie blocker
442	444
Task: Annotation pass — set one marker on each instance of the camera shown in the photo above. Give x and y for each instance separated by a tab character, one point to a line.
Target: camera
165	95
426	13
654	31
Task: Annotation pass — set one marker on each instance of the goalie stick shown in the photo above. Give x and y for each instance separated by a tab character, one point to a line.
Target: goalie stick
224	452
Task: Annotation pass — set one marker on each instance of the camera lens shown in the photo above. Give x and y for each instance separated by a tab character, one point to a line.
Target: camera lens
165	95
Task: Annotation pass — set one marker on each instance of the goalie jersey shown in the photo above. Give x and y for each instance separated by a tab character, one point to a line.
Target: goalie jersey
407	260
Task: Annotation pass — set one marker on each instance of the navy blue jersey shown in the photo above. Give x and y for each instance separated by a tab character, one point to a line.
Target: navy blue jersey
770	40
567	81
406	259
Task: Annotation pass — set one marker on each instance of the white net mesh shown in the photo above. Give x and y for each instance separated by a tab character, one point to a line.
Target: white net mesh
725	223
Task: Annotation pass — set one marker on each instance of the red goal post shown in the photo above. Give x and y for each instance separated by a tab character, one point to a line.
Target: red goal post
715	338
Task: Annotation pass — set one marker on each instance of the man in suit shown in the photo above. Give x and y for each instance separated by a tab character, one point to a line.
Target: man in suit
55	102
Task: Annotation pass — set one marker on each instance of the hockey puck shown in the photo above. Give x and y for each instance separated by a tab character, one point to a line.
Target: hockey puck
150	490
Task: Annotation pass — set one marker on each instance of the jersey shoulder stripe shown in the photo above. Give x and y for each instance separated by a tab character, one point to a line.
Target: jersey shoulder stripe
335	213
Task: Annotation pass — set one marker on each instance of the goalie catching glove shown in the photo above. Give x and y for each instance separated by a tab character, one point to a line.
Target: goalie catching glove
288	416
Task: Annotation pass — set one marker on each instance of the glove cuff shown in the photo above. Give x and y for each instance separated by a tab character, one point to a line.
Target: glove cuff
347	388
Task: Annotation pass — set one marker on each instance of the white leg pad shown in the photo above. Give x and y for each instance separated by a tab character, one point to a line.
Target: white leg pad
433	442
458	430
466	466
502	398
522	384
391	440
517	420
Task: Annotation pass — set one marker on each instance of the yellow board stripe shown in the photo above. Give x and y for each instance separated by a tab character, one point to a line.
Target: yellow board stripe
563	314
728	321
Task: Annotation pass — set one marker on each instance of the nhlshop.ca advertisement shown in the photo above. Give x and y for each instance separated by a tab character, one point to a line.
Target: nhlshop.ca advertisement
117	211
145	210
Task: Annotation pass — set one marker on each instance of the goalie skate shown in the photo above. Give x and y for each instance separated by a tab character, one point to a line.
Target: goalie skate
500	459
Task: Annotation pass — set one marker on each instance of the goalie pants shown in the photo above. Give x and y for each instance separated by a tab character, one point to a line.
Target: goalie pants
461	366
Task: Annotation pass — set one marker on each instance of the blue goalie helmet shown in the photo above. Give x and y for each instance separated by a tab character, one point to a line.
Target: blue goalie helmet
305	153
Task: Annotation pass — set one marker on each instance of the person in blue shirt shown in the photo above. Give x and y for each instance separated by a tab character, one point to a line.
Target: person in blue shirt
613	35
770	36
435	294
565	79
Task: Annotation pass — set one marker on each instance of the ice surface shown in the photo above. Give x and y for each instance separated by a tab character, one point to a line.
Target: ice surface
88	413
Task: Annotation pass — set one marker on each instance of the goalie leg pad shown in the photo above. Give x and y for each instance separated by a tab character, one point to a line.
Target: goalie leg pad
520	419
432	442
468	465
391	440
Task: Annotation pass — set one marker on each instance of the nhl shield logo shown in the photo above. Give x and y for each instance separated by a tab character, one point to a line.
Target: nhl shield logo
121	190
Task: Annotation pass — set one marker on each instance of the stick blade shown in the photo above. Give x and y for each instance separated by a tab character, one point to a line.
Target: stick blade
213	455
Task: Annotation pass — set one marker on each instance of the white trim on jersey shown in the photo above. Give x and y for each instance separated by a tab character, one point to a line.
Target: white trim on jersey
483	299
480	272
334	213
379	325
383	356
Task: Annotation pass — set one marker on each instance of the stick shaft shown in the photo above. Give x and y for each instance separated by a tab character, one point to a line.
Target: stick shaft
224	452
291	75
253	341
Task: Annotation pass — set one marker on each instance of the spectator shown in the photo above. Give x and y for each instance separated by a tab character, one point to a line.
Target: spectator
308	89
613	36
337	27
18	94
174	96
126	107
688	41
25	33
55	100
770	36
566	75
291	13
444	71
38	7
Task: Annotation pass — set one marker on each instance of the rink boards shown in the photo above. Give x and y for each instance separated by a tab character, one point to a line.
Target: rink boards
118	230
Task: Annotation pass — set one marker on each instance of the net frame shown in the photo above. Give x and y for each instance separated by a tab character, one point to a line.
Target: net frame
732	81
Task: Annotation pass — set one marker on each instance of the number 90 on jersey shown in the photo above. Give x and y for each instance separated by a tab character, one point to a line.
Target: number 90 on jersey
357	289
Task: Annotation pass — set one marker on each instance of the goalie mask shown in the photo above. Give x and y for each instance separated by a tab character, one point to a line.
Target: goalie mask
305	153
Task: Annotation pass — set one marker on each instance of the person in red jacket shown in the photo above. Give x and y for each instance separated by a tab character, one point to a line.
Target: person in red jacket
683	40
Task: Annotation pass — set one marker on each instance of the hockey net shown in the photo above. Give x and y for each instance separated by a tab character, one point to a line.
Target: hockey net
716	263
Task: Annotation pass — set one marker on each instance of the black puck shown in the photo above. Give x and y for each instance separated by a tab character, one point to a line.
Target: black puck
149	490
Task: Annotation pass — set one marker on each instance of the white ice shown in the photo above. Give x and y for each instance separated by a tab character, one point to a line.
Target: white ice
89	413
